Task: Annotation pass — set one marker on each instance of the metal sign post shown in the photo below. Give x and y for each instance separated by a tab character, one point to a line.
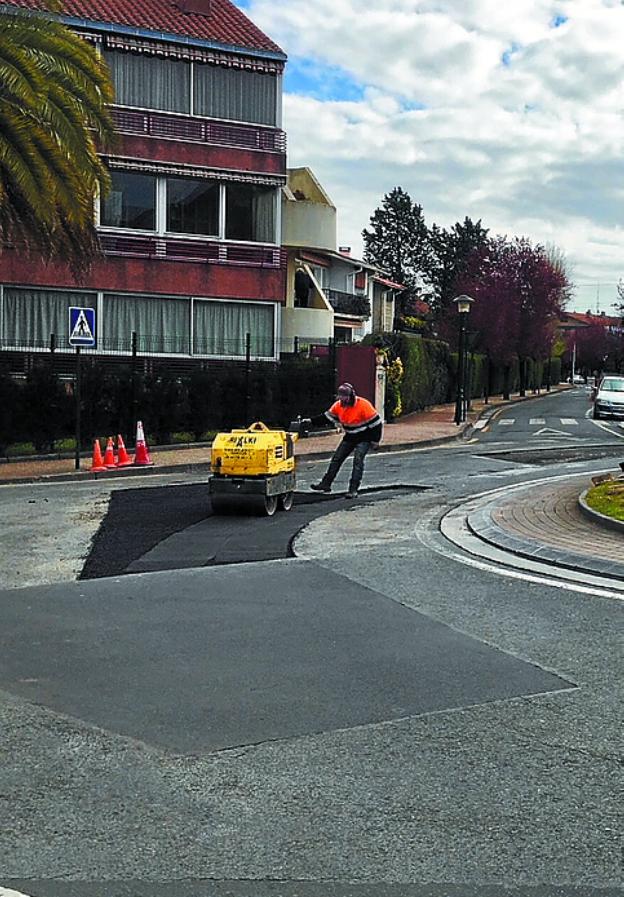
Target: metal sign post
77	399
81	334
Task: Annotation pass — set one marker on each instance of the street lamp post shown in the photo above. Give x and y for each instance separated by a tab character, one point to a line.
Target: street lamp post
463	307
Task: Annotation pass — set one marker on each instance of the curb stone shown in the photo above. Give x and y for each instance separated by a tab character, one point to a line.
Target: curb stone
602	519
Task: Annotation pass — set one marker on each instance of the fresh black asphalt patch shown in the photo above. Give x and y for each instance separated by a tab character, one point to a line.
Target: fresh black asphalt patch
195	661
172	527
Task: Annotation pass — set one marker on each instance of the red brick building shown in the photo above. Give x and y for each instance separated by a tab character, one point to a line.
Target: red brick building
191	229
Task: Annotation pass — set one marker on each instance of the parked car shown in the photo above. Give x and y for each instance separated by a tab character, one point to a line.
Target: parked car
608	398
578	380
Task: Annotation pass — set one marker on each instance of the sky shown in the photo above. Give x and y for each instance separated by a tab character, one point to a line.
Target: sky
509	112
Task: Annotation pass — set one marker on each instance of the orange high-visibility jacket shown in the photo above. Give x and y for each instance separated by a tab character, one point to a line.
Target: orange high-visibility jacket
360	421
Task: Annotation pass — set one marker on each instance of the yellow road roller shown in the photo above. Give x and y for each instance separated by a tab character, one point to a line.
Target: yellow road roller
253	470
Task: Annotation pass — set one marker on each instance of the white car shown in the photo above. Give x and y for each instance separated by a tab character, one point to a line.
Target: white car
609	398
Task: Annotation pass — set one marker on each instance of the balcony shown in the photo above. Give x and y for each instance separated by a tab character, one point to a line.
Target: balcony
144	123
175	250
349	303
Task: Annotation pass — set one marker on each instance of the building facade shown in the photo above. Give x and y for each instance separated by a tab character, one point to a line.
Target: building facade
329	293
191	229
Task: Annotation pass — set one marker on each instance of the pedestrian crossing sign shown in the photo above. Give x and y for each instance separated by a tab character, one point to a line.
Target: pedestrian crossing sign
81	326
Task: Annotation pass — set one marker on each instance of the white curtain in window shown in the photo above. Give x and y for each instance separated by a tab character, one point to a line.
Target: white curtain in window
162	324
235	94
150	82
220	328
263	213
31	316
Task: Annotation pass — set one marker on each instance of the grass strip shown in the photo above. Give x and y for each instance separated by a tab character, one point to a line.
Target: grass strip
608	499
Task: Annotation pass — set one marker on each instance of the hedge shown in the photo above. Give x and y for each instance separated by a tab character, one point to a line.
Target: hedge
41	409
430	373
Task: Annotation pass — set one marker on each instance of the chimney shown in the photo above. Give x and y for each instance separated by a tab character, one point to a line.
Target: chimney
344	250
196	7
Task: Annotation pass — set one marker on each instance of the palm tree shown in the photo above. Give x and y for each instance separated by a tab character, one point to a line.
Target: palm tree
54	96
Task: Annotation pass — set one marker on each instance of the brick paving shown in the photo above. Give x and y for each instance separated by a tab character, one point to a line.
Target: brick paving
552	517
545	524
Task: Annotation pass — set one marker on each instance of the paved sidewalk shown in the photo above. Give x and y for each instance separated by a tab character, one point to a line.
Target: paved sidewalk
547	525
430	427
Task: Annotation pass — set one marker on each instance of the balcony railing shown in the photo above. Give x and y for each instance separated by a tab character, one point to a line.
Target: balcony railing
176	250
349	303
198	130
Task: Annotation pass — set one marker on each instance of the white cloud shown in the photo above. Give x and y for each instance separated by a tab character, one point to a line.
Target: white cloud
535	147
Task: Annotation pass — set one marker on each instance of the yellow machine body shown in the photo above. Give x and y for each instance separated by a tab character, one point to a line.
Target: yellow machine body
254	452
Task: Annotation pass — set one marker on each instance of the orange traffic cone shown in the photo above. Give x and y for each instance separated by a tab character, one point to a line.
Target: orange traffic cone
109	454
141	452
97	463
123	458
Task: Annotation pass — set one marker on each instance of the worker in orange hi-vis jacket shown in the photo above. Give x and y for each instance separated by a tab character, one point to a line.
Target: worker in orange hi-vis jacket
362	431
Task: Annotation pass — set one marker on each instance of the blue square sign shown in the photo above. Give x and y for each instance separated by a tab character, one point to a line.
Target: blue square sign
81	326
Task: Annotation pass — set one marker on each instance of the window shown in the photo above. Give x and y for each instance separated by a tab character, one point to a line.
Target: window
250	213
131	201
31	316
150	82
155	82
235	94
320	275
162	324
192	206
180	205
220	328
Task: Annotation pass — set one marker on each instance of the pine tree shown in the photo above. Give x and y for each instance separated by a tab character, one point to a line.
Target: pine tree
451	253
398	242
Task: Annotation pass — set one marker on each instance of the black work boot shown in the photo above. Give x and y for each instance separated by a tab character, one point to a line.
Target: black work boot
353	491
320	487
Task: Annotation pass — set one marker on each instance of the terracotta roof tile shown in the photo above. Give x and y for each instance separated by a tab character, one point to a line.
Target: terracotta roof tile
225	23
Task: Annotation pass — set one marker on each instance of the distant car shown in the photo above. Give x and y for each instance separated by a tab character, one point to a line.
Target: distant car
609	398
578	380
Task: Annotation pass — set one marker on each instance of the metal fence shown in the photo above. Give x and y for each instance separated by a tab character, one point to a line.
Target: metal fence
176	353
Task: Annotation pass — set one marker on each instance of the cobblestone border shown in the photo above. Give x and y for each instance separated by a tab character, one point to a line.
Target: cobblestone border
602	519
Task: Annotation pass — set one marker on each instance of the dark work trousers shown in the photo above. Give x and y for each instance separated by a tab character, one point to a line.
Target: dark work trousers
360	450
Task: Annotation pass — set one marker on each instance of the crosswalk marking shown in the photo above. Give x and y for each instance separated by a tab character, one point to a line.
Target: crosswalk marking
538	421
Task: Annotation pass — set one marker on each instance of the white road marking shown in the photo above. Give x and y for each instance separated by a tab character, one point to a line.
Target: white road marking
506	422
530	577
537	421
547	431
607	429
5	892
569	421
480	424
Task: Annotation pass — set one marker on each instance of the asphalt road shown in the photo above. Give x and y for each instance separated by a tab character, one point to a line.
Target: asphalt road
378	715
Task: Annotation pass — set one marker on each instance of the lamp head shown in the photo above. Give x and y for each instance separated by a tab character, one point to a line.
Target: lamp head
463	303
